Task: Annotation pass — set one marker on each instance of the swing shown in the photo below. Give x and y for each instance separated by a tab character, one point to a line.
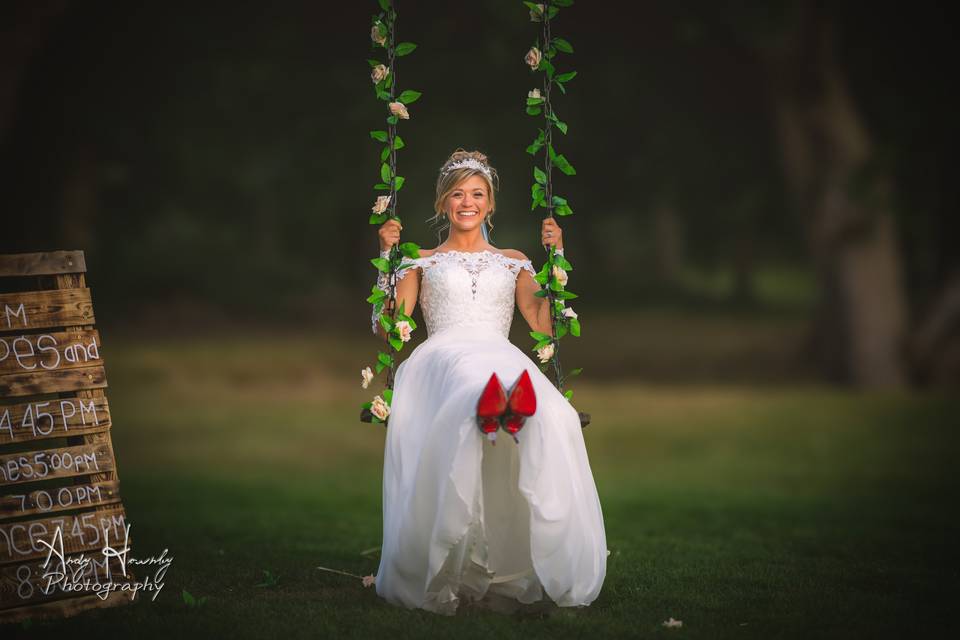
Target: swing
383	34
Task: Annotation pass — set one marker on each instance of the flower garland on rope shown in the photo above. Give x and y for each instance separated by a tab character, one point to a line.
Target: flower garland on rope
395	323
553	275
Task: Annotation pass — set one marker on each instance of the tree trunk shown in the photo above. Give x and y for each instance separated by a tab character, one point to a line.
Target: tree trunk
844	199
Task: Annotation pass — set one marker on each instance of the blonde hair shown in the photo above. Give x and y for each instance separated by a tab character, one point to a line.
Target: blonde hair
448	180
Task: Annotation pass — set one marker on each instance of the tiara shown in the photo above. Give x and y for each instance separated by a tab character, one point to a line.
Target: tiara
468	163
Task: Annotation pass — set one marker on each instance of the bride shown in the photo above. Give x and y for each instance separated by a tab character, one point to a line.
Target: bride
465	521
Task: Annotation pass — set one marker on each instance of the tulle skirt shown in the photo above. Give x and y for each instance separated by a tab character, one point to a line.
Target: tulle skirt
467	521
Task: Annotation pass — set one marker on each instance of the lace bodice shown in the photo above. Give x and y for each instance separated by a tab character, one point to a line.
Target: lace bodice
468	289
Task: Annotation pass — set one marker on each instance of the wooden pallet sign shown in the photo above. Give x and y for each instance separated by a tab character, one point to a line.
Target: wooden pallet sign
58	474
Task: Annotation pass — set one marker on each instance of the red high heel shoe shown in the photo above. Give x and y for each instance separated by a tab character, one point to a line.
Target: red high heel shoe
492	404
521	404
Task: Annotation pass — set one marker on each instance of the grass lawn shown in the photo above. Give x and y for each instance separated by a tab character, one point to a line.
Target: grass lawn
745	511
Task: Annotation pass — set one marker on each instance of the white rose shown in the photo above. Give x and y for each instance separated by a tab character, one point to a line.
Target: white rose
533	58
404	329
545	353
367	375
560	275
376	35
381	204
379	73
535	94
400	110
380	408
570	313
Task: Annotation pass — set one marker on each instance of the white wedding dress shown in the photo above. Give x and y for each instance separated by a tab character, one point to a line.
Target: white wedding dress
464	520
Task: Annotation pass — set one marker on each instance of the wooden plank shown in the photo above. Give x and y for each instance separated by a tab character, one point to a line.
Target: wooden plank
41	264
57	381
39	581
49	464
49	351
66	608
32	310
22	541
54	418
55	499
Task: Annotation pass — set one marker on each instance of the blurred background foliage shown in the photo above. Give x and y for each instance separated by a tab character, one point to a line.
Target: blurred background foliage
787	160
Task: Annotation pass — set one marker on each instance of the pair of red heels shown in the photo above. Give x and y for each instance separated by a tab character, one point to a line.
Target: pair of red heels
498	408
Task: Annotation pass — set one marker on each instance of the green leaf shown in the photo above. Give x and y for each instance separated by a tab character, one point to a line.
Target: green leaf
553	11
398	182
563	210
386	323
541	294
380	367
564	165
562	126
388	396
398	142
536	335
380	186
575	331
188	598
555	285
366	405
393	119
385	96
409	96
385	4
395	342
537	143
558	200
384	155
385	358
385	172
546	65
563	262
566	77
541	278
376	297
534	111
575	372
382	264
564	295
561	330
562	45
410	250
378	218
539	175
534	101
562	88
373	63
568	394
404	48
379	135
542	344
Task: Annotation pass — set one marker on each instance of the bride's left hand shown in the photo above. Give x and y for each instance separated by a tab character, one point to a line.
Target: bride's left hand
551	233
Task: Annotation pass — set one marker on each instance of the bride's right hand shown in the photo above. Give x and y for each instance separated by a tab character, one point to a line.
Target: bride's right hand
389	234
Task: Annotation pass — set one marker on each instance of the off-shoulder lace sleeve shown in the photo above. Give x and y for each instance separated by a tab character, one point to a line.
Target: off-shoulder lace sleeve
526	264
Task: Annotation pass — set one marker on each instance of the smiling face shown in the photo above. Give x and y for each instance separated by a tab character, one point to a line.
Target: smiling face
468	204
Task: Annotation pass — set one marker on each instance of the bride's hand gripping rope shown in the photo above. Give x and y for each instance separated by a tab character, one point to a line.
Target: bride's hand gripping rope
551	234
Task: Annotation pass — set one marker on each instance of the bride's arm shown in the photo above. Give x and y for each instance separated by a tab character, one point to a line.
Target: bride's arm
408	287
536	311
